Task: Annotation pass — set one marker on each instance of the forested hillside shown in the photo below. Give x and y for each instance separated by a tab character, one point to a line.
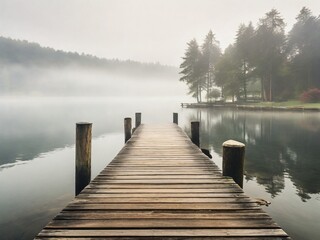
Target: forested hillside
28	69
22	52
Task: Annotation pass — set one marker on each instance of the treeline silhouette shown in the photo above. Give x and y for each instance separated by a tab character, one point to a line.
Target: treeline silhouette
22	52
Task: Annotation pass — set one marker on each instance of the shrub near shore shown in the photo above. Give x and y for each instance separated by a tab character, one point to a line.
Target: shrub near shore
311	96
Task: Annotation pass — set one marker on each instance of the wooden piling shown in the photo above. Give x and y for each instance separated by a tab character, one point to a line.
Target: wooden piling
138	119
233	160
195	133
127	129
175	118
83	155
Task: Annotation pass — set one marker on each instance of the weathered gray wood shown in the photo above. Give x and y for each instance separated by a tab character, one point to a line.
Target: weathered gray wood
138	119
168	238
166	232
69	215
158	176
233	160
162	195
127	129
175	118
195	133
163	181
163	206
160	186
83	156
162	223
162	190
128	200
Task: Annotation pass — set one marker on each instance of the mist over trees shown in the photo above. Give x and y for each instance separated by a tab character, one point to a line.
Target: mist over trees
263	63
24	53
198	67
28	69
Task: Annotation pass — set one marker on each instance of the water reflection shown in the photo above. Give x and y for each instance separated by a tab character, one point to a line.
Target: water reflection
38	125
277	145
37	151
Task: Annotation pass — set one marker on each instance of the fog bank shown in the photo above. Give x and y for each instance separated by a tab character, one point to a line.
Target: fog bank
18	80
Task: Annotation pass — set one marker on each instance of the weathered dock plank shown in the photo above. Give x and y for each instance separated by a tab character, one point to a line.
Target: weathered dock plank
161	186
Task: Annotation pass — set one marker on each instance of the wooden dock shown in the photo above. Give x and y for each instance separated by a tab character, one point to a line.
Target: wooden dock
161	186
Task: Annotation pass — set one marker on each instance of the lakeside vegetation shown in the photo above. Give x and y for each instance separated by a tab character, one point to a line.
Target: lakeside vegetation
264	63
292	103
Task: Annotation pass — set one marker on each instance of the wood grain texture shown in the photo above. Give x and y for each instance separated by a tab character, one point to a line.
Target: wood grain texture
83	156
161	186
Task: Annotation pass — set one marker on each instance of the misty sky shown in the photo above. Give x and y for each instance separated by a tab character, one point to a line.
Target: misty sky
142	30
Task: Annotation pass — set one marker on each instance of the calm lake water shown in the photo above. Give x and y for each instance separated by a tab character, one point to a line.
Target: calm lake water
37	155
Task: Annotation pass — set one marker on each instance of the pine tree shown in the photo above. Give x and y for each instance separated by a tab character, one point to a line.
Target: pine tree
210	54
269	49
243	45
227	73
191	73
304	44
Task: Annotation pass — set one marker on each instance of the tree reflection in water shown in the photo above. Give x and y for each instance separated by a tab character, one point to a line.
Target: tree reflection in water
278	145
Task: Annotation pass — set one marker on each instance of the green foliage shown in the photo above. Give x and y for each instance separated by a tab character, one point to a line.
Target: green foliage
304	51
214	93
269	54
227	73
244	55
191	70
283	65
198	66
210	55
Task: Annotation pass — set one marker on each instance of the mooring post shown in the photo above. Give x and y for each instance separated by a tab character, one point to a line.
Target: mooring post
195	133
175	118
233	160
127	129
83	155
138	119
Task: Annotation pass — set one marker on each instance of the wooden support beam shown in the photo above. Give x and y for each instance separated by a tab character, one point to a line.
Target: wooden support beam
138	119
127	129
233	160
83	155
175	118
195	133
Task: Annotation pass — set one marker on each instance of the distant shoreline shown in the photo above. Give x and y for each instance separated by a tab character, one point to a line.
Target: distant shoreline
251	107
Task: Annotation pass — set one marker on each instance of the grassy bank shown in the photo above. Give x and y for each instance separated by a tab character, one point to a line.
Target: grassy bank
293	104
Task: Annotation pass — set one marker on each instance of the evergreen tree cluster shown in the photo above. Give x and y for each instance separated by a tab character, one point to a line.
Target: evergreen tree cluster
198	67
263	61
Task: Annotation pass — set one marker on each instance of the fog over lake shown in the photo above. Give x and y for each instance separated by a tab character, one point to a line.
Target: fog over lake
38	135
64	62
74	81
37	154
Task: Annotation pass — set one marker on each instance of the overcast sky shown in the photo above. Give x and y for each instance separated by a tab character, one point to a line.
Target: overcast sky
142	30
